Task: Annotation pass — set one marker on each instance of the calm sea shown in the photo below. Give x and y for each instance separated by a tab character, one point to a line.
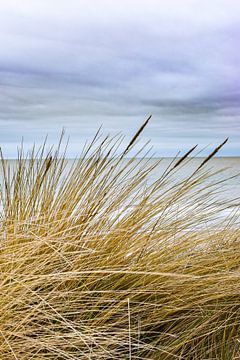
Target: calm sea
230	187
231	173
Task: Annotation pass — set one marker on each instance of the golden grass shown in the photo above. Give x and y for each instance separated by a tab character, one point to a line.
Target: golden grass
96	263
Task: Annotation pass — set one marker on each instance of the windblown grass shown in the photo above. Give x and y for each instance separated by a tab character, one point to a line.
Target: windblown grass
96	263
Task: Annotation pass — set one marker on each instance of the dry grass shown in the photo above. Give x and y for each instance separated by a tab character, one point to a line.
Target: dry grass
95	263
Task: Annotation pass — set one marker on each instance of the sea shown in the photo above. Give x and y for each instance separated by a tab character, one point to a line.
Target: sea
229	165
226	169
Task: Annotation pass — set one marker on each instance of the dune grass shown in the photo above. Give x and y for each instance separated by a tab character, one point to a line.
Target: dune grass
98	263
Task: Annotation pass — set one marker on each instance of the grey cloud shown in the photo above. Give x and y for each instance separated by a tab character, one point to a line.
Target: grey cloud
60	66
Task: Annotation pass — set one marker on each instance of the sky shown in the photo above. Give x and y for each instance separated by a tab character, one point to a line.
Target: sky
82	64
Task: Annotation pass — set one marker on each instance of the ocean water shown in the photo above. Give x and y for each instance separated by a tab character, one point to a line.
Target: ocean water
230	187
226	169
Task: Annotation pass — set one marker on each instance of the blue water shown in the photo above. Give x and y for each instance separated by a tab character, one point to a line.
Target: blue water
228	180
228	189
231	187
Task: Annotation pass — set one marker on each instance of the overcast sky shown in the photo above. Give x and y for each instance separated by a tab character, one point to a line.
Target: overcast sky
80	64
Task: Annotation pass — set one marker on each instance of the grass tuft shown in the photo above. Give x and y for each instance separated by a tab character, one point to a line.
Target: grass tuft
96	262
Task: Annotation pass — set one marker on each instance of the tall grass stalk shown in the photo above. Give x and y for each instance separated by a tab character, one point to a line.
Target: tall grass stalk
98	263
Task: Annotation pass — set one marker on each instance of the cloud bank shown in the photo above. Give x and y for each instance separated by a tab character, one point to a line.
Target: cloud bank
79	64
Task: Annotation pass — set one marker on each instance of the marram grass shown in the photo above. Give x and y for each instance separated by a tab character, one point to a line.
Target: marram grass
98	263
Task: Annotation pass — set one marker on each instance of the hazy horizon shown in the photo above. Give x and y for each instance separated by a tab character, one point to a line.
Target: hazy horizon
217	157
